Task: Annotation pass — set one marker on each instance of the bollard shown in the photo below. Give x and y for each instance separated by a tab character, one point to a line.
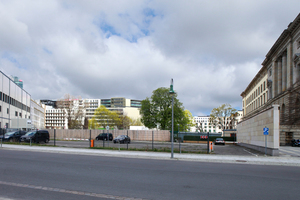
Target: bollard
1	142
211	147
92	143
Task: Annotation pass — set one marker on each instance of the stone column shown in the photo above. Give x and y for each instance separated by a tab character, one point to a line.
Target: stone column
297	72
274	80
284	72
279	75
275	127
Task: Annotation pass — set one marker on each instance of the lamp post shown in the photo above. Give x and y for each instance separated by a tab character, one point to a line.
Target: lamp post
178	132
172	93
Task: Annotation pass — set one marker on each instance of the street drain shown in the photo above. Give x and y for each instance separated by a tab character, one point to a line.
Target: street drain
241	161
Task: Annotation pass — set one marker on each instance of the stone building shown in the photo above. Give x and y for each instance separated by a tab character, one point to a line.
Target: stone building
278	83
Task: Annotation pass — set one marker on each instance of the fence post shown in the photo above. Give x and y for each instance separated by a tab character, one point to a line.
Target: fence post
90	136
152	140
127	142
207	142
54	136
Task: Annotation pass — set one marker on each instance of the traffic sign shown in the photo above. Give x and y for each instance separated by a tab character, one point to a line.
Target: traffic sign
266	131
107	127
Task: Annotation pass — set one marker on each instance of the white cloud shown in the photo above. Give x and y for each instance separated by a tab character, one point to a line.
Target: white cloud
102	49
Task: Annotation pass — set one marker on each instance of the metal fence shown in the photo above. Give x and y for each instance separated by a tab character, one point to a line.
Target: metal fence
86	134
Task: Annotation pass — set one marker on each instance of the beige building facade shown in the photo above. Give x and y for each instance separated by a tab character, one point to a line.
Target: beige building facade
278	83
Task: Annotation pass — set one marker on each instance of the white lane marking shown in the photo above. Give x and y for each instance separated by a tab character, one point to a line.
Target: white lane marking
67	191
250	152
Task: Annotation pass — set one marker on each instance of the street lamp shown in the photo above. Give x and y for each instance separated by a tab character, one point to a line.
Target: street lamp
178	132
172	93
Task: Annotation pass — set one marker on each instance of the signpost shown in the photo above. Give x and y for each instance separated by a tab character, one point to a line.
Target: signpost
266	133
107	128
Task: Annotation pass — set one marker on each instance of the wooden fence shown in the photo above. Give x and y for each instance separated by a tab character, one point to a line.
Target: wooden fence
85	134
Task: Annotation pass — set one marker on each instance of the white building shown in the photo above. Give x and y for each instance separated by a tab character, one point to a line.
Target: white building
55	117
204	124
14	102
37	113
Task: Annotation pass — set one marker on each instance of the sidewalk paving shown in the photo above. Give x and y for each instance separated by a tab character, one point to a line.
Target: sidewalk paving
259	160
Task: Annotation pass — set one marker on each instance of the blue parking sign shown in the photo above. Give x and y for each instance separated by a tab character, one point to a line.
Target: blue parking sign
266	131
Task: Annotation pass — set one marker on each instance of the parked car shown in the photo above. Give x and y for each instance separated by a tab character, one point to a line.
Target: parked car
13	136
122	139
219	141
36	136
295	143
103	136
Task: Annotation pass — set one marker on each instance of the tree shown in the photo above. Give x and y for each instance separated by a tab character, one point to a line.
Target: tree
222	116
136	122
104	117
74	110
125	122
189	119
157	111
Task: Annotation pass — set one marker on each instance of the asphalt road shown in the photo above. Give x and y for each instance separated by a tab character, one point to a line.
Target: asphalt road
36	175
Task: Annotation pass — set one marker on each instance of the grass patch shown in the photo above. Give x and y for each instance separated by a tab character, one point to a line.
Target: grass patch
164	149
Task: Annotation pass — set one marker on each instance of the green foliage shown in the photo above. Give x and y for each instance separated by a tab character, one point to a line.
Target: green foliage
158	110
222	115
125	122
103	117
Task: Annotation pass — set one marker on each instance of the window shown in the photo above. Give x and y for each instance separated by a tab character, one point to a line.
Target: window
0	108
16	114
7	110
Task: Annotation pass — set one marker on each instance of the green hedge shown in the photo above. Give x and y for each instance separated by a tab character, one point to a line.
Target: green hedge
211	138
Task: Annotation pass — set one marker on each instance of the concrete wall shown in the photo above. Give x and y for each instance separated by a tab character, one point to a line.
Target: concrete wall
83	134
250	131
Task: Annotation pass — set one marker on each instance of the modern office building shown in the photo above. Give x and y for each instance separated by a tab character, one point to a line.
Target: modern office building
14	103
277	85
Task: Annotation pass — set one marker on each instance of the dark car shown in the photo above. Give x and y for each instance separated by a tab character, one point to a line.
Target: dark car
219	141
122	139
36	136
295	143
13	136
103	136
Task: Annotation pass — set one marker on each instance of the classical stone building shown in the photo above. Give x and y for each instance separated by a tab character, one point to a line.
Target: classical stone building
278	83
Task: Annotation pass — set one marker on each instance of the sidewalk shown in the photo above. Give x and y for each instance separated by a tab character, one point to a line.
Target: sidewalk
259	160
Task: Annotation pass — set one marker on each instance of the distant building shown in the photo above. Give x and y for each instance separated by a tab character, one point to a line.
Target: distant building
37	112
55	117
17	81
204	124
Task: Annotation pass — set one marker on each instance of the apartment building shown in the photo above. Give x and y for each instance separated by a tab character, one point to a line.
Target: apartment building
204	124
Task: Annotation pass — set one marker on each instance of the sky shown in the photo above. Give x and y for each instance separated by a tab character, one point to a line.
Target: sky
100	49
